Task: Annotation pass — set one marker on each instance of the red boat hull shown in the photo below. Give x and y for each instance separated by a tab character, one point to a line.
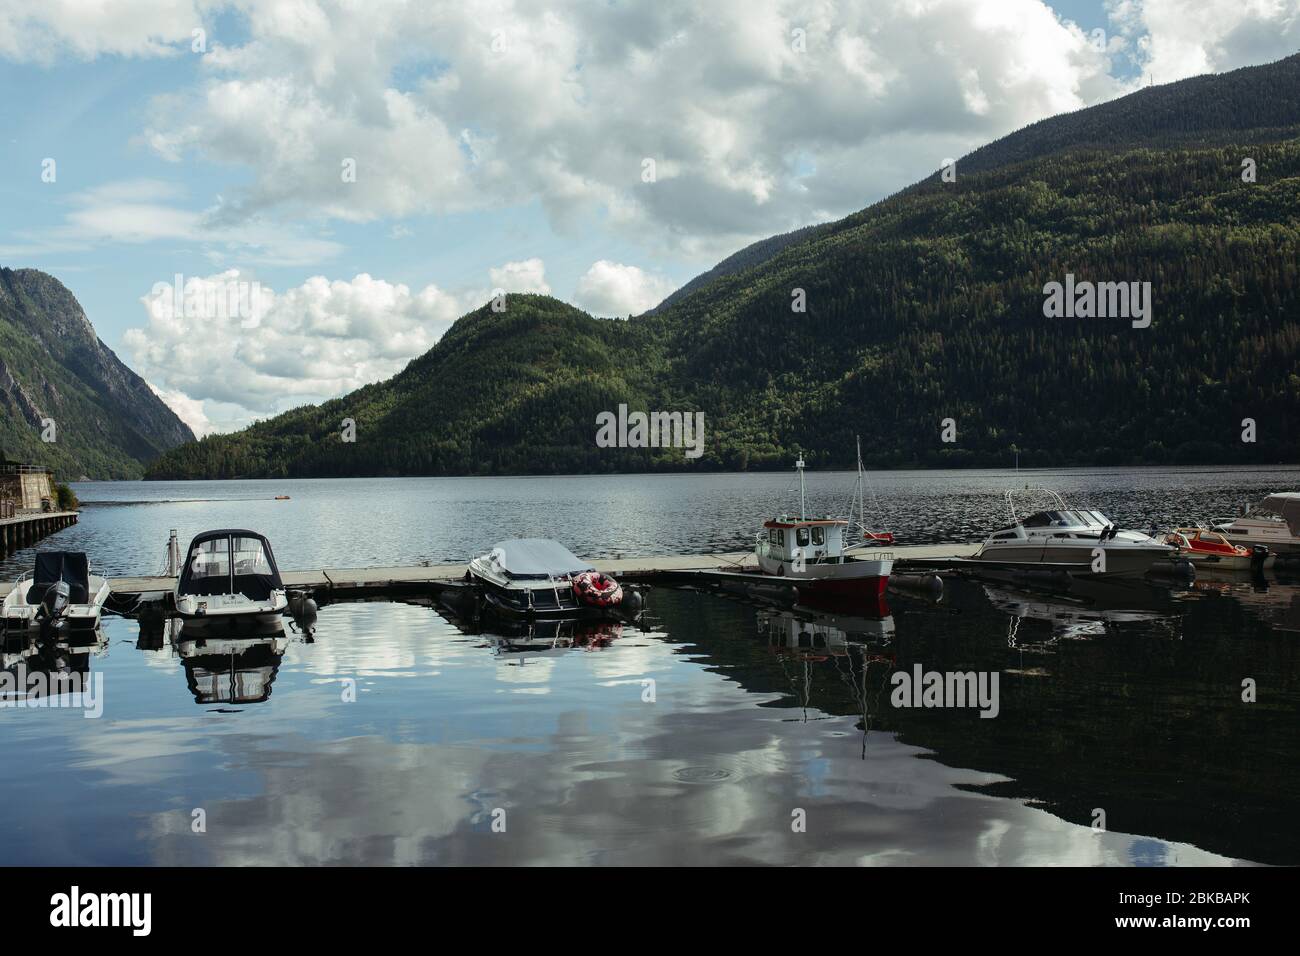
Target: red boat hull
841	587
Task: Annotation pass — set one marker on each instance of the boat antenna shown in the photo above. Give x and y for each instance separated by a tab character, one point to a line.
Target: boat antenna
803	516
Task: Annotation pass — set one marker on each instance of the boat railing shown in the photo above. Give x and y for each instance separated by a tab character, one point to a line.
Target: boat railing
1057	503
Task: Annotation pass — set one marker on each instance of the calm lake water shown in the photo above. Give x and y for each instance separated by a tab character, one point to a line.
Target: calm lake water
699	737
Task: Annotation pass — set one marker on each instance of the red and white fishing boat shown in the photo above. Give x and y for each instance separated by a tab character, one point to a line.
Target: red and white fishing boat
818	555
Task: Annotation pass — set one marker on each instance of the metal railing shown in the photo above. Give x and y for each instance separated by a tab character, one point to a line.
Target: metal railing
13	468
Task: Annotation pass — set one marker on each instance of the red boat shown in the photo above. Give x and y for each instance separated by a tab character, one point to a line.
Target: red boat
1209	549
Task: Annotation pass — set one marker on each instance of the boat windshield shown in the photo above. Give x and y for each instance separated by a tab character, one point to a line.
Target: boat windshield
210	559
250	556
1095	519
1069	518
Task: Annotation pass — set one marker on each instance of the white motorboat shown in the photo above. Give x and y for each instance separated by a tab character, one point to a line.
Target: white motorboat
540	577
230	582
816	556
60	591
1273	523
1073	540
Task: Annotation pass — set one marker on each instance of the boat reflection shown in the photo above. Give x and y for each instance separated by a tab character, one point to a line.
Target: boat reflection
1275	603
230	670
805	630
1090	609
53	654
855	642
543	638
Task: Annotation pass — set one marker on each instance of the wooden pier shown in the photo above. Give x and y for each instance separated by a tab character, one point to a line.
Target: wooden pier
25	528
345	583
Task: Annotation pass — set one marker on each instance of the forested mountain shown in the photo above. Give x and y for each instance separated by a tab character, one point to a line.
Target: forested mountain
107	421
924	307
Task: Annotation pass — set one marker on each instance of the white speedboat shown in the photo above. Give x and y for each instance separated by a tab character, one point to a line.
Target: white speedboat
230	582
816	556
1073	540
1273	523
540	577
59	591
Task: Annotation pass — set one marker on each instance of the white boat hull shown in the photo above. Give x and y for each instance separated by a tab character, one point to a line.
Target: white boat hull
18	614
1119	561
231	611
853	576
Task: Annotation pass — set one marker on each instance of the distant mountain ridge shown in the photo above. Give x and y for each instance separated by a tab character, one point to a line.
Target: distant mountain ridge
1210	109
924	307
754	254
108	421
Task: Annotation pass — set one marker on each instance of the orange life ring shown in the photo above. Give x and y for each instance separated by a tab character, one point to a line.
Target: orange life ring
597	590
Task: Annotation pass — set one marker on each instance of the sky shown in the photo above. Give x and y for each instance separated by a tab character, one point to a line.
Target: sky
344	179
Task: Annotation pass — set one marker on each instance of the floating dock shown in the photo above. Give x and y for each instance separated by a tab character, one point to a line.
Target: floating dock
344	583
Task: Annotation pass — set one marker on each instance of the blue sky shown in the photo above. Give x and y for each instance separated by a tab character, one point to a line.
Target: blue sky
501	146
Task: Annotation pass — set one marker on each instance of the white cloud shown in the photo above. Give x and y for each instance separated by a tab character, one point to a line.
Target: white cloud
526	276
150	210
1176	39
187	409
224	350
313	342
463	106
453	107
613	289
41	32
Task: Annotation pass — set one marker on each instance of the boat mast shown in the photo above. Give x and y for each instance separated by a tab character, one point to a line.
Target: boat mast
862	511
802	509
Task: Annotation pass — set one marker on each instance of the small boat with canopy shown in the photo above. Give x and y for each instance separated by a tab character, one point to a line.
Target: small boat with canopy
538	577
58	591
230	579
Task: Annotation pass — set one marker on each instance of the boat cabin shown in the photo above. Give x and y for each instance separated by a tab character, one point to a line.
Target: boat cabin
816	540
1282	509
230	561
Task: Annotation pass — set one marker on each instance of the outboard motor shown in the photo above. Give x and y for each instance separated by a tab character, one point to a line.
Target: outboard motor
53	604
1258	555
